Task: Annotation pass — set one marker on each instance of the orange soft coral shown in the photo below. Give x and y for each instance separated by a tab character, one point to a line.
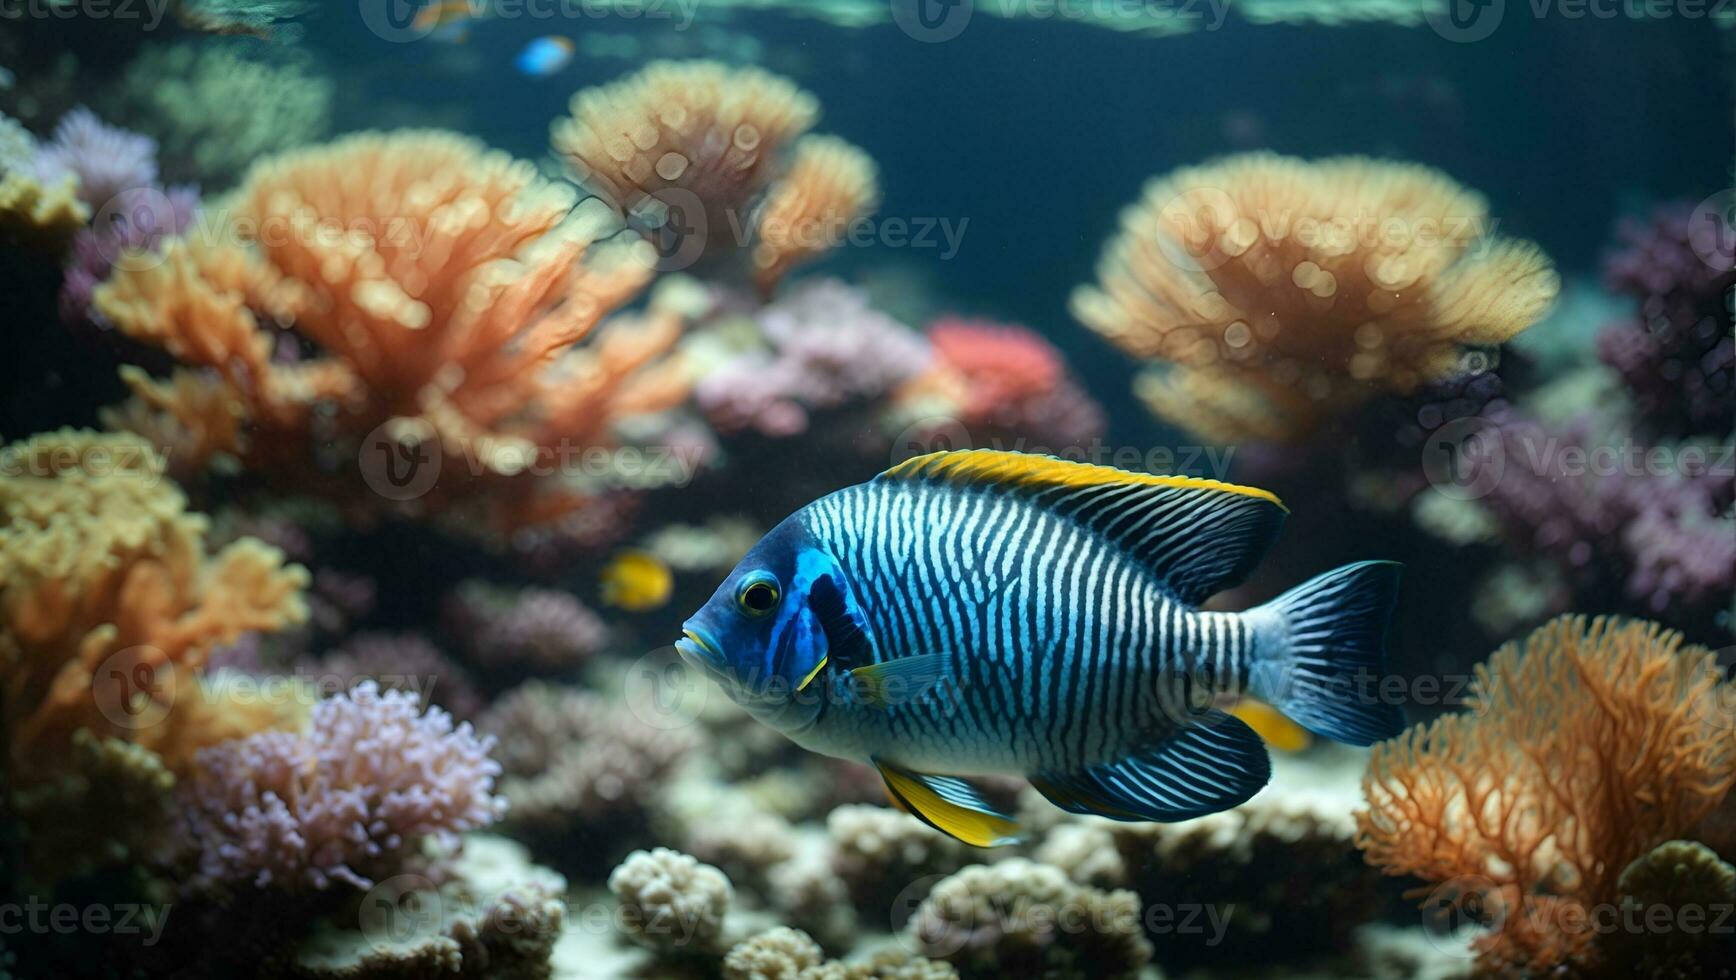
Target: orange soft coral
444	287
1583	749
109	601
1278	291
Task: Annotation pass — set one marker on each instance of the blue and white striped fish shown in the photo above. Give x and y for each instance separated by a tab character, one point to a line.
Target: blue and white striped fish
982	612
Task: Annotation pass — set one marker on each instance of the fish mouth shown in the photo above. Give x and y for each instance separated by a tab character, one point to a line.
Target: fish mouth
700	650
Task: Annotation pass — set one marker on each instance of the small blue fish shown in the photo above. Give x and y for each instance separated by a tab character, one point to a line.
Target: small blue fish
545	56
982	612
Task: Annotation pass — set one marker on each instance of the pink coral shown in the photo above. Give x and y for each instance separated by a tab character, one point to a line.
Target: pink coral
341	802
830	349
1009	383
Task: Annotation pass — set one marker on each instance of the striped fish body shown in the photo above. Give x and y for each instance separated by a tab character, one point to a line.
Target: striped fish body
984	612
1061	648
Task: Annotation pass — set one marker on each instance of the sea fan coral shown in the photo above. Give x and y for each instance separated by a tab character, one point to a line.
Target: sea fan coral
109	601
441	283
104	159
1279	291
830	184
682	149
343	801
1583	748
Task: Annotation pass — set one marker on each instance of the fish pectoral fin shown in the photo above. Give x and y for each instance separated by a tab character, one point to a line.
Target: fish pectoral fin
1216	763
949	805
902	681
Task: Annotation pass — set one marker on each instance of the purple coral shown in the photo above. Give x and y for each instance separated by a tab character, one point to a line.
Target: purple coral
1676	357
343	801
1621	521
105	159
829	348
140	218
529	627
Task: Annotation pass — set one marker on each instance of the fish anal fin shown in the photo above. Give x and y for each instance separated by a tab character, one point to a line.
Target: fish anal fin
1198	536
949	805
1212	765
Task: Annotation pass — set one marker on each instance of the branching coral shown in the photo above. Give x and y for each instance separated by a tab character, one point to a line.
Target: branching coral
342	802
683	149
444	289
38	217
109	601
138	220
1583	748
1280	291
829	184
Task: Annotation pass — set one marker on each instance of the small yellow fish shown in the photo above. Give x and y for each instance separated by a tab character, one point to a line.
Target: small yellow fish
1273	728
637	581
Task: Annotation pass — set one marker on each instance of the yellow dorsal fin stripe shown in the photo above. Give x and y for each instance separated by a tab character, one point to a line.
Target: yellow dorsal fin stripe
971	826
1035	472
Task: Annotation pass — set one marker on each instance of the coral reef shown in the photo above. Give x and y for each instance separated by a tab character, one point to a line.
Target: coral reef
542	629
671	902
1018	918
112	601
1683	884
1280	292
445	289
400	662
138	220
343	802
575	763
1581	750
37	217
1677	357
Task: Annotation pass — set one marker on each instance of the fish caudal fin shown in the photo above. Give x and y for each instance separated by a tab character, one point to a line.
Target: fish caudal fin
1321	653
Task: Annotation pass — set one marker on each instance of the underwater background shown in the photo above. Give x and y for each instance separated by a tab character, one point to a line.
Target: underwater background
390	381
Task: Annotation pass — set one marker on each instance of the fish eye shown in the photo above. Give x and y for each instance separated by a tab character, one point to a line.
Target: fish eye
758	595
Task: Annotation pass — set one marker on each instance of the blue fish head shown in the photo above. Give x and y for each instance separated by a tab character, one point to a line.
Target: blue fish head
761	635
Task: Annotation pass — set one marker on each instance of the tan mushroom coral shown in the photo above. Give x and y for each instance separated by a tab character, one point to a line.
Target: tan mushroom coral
444	287
1272	292
683	136
830	183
